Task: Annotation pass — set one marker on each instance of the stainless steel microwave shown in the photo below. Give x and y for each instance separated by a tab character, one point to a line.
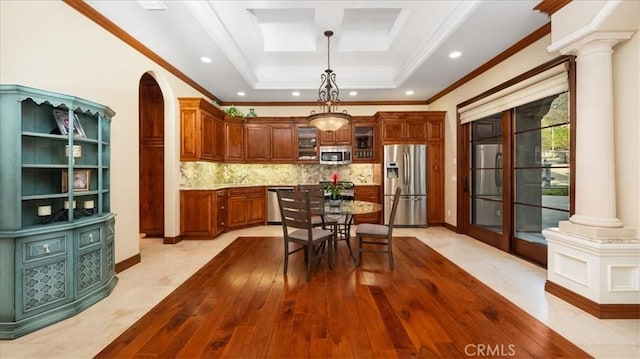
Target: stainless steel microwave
335	155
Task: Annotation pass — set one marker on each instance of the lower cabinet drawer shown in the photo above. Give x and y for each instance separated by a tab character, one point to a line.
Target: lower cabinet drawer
89	237
45	246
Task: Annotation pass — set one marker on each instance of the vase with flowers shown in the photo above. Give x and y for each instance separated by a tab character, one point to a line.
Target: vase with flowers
334	188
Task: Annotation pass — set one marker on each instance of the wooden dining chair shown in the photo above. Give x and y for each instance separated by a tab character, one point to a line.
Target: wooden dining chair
295	210
378	235
336	223
317	194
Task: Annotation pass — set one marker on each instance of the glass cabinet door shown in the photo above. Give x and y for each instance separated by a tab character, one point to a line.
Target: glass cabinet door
307	144
364	142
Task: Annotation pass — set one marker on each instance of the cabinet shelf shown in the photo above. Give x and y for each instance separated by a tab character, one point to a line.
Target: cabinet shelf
60	195
62	138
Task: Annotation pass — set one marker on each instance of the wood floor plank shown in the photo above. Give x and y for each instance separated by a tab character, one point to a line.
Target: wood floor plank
241	305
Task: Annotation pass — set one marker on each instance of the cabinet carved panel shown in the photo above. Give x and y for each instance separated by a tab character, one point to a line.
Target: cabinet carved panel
45	284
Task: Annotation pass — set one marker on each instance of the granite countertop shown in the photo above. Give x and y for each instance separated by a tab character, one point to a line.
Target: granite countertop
218	186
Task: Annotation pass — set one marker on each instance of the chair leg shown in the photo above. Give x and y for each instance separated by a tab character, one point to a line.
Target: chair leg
309	253
359	250
286	255
390	252
348	240
331	239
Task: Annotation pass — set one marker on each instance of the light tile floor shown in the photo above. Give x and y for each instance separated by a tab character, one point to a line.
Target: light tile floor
164	267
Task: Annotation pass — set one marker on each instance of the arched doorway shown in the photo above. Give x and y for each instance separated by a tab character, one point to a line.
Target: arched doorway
151	142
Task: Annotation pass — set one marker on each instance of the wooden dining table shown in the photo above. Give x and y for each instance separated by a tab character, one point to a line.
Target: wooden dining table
346	210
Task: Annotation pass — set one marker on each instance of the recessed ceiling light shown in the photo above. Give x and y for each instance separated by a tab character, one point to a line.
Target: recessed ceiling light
240	93
409	92
353	93
206	59
295	93
455	54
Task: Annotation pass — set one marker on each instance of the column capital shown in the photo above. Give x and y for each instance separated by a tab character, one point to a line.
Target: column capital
574	45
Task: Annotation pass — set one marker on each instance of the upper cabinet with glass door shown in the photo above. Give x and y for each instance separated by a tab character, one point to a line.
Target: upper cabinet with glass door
307	144
365	139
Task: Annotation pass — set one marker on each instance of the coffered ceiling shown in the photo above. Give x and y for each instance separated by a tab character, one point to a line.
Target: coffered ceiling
270	49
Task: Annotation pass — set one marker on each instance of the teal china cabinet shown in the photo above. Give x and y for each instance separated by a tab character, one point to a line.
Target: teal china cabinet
56	227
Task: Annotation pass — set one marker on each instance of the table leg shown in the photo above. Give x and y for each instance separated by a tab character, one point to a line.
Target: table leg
347	232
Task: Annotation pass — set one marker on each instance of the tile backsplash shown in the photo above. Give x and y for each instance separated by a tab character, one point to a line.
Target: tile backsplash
204	175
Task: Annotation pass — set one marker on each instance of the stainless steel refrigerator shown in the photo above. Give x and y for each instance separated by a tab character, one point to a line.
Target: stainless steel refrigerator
405	166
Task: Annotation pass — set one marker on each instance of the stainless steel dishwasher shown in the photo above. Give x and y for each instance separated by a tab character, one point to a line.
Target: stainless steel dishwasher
273	209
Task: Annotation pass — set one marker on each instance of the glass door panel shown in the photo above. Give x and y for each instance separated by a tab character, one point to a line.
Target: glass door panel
541	168
486	193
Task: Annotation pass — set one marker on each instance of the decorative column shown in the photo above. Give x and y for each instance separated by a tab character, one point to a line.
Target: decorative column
595	192
593	261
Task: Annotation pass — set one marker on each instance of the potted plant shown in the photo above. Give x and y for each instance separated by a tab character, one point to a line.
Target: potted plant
334	189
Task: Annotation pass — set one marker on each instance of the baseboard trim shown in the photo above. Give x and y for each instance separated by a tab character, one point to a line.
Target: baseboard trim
602	311
128	263
172	240
451	227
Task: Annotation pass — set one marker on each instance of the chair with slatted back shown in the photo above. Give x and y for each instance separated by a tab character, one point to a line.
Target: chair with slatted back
317	193
295	210
338	223
377	235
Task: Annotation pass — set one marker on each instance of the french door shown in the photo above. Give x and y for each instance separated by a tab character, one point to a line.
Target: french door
517	178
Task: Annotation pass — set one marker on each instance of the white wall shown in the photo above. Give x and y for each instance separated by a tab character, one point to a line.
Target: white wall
49	45
528	58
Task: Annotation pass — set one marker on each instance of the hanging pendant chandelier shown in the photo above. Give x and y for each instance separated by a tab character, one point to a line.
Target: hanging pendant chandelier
328	119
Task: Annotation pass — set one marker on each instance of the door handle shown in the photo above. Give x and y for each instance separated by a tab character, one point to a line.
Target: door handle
498	169
405	160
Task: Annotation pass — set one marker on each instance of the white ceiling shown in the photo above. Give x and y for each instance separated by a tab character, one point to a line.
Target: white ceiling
381	49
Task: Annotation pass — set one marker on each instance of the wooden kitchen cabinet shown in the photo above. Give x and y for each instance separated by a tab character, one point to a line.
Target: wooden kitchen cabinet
411	126
202	131
366	145
221	211
435	183
257	143
283	143
234	144
198	214
369	193
270	143
307	144
246	207
203	213
334	138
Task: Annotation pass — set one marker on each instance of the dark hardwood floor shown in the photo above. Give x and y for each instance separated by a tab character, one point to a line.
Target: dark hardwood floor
240	305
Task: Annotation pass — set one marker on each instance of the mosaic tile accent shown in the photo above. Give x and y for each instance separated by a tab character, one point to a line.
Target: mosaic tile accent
205	175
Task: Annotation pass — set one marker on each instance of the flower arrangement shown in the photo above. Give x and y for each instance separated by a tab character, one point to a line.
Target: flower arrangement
334	187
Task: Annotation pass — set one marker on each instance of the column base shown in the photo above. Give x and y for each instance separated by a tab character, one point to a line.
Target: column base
604	271
602	234
596	221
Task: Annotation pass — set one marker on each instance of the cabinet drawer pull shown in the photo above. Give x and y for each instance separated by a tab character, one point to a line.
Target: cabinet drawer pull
91	238
222	207
46	248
